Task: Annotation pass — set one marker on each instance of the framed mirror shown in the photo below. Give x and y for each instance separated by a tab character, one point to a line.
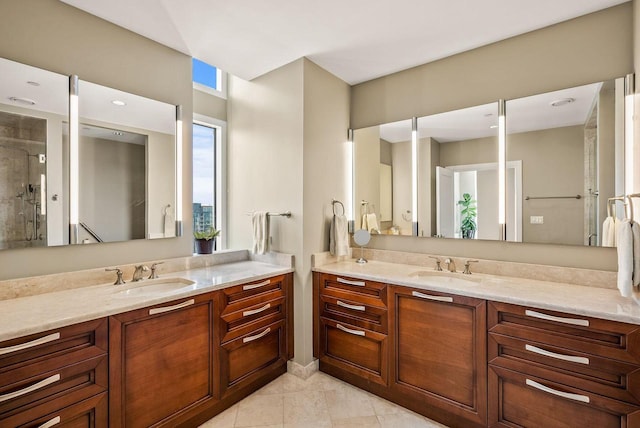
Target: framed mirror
382	178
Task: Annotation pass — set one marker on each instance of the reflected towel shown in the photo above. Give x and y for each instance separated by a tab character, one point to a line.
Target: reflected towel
339	236
260	221
364	223
624	239
372	223
169	222
609	232
635	231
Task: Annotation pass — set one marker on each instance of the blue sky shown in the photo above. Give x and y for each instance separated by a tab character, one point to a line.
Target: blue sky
203	164
205	74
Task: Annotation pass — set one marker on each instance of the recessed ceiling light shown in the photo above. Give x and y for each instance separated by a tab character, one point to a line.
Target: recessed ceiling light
562	102
32	83
118	103
493	126
25	101
118	133
488	114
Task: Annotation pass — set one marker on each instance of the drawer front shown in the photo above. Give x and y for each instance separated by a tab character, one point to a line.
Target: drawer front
89	413
595	336
358	290
521	400
241	296
352	312
74	343
67	384
245	359
611	378
252	317
356	350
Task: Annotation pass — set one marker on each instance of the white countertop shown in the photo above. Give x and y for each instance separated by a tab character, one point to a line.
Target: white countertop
574	299
28	315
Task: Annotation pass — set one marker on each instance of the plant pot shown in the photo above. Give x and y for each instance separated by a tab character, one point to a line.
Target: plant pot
204	246
468	233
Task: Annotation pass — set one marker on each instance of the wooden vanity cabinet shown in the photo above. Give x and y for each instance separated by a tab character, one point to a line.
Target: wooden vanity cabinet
162	369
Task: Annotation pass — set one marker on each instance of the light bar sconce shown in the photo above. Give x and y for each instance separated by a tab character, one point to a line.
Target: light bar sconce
74	163
351	180
179	200
414	176
502	168
629	111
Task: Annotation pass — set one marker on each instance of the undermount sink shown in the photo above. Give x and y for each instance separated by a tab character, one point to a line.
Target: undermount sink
445	278
154	286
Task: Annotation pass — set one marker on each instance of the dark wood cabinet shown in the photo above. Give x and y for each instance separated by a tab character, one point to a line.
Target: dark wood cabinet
162	368
439	354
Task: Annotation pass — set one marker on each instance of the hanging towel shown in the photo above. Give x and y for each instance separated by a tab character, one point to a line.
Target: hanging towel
169	222
624	239
609	232
372	223
635	232
260	221
364	222
339	236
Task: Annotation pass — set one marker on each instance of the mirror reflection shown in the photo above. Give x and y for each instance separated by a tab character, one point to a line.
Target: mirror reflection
382	178
570	145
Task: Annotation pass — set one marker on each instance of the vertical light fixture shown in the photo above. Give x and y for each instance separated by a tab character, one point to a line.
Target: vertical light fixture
350	180
414	176
43	194
502	168
629	107
74	163
179	200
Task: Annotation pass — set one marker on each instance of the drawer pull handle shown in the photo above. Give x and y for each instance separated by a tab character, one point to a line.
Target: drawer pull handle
155	311
430	297
256	311
50	423
31	388
349	282
573	321
571	358
350	331
258	285
348	306
570	396
257	336
27	345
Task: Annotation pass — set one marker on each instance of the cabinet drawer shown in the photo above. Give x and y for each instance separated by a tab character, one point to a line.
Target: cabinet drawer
521	400
71	344
611	378
241	296
245	359
595	336
356	350
90	413
249	318
20	391
355	313
358	290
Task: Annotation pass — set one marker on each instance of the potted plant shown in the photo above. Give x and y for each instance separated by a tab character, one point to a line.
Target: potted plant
468	216
205	239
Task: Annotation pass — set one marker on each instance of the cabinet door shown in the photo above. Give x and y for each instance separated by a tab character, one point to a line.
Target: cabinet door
248	358
440	355
521	400
161	363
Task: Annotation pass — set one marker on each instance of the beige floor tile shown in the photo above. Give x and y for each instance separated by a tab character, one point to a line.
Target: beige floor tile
285	384
358	422
406	419
323	423
260	410
305	406
323	382
383	407
226	419
348	402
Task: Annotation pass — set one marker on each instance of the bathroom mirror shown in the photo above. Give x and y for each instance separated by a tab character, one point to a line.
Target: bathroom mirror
457	173
382	178
33	111
570	147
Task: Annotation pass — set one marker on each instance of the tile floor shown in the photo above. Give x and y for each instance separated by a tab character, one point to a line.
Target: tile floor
318	402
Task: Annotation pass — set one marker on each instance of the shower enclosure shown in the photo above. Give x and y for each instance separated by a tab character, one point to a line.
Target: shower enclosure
22	172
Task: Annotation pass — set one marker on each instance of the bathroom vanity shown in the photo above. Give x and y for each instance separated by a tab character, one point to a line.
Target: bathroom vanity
145	358
480	350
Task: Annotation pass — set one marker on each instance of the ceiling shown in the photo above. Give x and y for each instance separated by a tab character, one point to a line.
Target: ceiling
357	40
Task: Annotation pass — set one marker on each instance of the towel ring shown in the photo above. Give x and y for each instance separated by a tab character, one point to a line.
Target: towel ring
335	202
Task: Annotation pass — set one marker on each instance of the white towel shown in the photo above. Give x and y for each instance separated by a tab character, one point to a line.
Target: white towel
624	239
635	232
609	232
339	236
169	222
260	221
364	222
372	223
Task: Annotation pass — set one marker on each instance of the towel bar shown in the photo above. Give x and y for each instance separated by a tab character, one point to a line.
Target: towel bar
283	214
553	197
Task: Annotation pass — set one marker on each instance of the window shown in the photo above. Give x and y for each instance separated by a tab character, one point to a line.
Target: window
207	78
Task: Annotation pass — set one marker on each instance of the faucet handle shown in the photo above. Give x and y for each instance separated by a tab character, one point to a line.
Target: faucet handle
118	272
437	259
154	275
467	266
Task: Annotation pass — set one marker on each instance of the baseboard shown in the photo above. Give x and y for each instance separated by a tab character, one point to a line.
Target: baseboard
303	372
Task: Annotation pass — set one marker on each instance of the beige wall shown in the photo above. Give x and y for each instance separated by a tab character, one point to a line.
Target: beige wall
209	105
54	36
366	152
402	186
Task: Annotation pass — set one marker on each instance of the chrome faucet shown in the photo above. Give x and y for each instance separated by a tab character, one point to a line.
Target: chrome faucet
437	259
451	266
154	266
467	266
137	274
118	272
